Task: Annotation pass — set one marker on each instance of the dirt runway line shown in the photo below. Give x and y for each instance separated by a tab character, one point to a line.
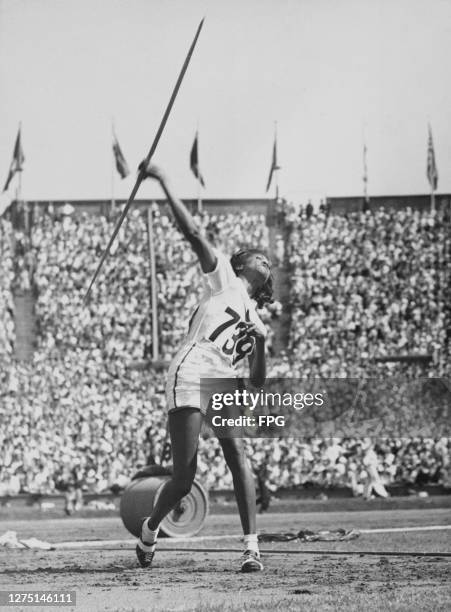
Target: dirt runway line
163	541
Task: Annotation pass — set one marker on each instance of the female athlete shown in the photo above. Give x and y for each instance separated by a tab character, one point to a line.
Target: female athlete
223	330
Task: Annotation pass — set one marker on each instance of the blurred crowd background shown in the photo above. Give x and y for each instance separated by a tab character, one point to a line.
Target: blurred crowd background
88	408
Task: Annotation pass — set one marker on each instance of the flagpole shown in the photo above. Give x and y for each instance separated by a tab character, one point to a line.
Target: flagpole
365	177
112	170
199	196
366	200
21	204
274	170
19	188
277	166
431	168
19	182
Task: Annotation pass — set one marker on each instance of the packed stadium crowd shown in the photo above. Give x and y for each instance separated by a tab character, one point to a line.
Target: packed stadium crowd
6	295
365	285
86	409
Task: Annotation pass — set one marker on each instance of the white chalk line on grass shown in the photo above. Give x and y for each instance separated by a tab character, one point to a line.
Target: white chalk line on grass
162	541
401	529
94	543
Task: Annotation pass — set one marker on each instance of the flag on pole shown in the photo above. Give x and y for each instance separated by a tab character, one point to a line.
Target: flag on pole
194	161
121	164
16	162
431	169
274	165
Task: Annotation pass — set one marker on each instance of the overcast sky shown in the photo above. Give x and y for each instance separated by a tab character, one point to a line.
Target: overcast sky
326	70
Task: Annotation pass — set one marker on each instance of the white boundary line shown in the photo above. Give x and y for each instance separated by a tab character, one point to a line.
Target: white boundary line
94	543
401	529
130	542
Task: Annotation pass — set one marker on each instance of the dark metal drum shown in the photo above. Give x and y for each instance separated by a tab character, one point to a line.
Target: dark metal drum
187	518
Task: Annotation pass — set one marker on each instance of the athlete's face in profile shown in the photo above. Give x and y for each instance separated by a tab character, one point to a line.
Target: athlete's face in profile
257	267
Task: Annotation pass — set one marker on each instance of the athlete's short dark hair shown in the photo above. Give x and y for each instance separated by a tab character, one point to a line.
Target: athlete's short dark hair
263	295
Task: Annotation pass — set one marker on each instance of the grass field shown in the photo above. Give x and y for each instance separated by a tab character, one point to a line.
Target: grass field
202	575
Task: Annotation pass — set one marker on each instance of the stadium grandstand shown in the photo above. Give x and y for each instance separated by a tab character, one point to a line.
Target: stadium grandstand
359	293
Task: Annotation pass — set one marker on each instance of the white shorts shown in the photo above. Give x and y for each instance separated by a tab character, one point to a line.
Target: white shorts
193	363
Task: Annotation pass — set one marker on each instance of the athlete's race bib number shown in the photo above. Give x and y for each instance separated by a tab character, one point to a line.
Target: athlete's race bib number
239	344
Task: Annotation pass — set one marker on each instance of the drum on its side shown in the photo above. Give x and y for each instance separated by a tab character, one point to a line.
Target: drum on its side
186	520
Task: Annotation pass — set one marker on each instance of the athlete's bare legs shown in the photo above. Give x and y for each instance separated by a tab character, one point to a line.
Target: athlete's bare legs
244	487
184	429
243	482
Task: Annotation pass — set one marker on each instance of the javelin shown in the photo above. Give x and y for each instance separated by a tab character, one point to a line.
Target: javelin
140	176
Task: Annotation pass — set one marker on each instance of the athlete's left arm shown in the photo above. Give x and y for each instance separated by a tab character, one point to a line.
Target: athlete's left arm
257	359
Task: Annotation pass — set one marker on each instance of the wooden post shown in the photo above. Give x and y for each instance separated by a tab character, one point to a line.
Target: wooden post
153	286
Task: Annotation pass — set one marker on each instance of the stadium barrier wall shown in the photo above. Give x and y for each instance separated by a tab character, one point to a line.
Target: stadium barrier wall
304	493
347	204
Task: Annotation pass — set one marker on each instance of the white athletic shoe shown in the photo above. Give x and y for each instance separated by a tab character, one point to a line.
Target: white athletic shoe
251	562
145	551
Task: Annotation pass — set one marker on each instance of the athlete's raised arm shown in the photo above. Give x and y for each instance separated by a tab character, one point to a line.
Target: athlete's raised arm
184	220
